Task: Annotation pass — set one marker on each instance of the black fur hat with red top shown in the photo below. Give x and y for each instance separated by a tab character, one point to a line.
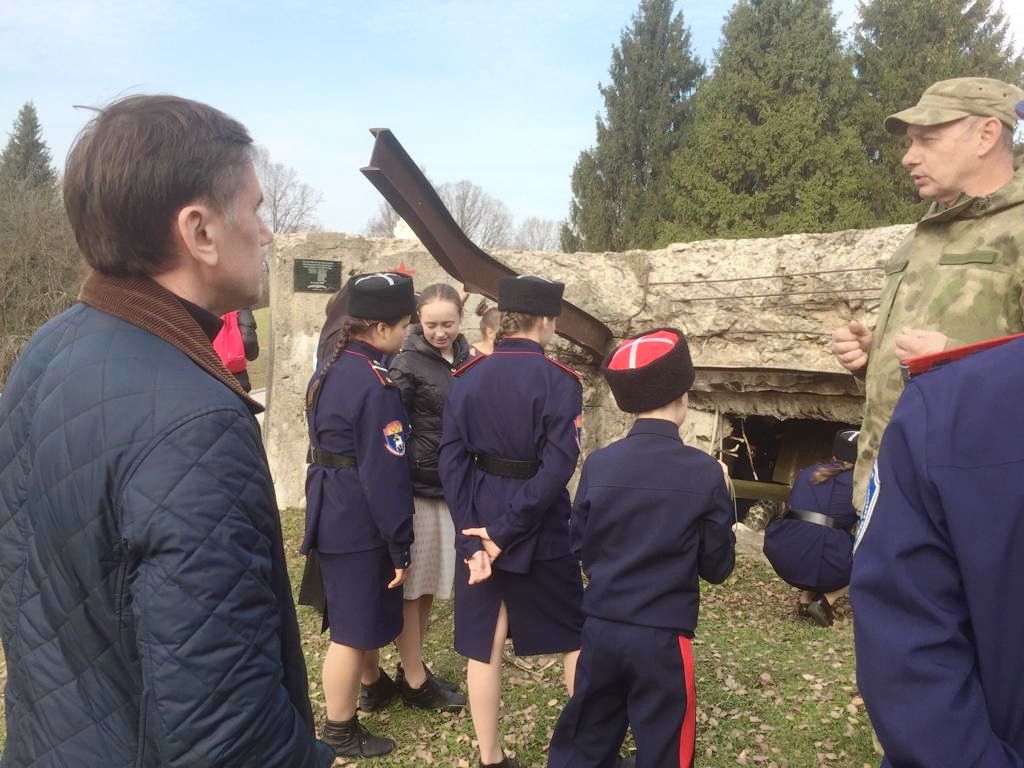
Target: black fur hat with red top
648	371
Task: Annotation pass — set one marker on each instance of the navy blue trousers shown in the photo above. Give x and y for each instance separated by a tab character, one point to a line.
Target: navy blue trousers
629	675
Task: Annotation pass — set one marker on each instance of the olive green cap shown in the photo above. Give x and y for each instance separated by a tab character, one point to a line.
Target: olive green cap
960	97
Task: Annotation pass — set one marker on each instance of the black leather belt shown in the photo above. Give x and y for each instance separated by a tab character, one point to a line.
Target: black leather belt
513	468
427	476
813	517
328	459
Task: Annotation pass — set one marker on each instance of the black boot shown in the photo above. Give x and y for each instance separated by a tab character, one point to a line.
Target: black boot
446	684
431	695
506	762
820	612
377	695
351	739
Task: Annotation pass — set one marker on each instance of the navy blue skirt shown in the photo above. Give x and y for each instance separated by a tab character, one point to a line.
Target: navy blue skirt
809	556
361	611
545	609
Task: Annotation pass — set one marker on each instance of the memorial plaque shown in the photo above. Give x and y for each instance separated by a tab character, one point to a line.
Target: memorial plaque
317	276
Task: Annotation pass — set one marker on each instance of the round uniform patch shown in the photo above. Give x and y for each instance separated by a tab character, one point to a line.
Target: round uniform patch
394	438
874	487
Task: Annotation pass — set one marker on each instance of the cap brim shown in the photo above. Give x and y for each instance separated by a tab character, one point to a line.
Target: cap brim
898	123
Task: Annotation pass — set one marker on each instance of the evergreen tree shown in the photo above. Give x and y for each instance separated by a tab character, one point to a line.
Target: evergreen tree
773	148
617	185
26	159
900	48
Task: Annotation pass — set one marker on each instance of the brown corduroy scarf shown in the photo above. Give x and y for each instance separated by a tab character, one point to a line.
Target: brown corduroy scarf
150	306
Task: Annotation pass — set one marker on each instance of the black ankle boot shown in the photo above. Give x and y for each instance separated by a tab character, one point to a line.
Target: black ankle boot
432	696
820	612
448	685
377	695
506	762
351	739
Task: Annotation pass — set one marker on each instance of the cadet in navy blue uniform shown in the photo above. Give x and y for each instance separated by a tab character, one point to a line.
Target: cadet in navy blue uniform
938	570
811	546
510	444
651	516
359	499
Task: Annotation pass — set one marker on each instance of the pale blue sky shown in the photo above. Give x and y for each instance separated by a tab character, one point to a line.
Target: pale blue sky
501	92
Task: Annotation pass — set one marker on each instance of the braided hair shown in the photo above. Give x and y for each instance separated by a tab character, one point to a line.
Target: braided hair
348	328
515	322
490	317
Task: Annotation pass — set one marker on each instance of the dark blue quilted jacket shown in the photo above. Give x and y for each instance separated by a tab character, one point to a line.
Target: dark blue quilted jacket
146	613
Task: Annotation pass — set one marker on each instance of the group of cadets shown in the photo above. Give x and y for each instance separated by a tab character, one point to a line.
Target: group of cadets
939	531
651	516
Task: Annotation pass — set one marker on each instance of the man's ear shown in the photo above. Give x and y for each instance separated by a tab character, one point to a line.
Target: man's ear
195	227
990	134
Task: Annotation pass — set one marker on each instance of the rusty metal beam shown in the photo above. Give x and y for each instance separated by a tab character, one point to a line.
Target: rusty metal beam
395	175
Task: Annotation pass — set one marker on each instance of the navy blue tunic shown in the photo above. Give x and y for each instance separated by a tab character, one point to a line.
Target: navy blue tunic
515	404
359	519
359	413
651	516
811	556
938	570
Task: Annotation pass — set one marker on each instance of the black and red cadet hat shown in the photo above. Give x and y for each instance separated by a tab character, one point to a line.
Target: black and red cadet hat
648	371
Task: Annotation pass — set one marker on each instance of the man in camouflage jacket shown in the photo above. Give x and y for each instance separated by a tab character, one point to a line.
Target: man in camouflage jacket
956	279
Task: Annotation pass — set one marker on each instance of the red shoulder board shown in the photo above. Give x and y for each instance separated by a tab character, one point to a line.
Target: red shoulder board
378	370
565	368
915	366
469	364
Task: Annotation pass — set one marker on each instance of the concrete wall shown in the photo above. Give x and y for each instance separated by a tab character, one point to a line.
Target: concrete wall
764	352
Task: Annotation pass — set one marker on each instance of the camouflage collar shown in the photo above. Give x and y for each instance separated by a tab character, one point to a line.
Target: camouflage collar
969	207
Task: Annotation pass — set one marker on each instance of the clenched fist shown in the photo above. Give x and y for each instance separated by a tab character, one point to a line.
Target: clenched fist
851	345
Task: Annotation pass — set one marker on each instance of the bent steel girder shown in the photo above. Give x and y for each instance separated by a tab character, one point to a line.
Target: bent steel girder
395	175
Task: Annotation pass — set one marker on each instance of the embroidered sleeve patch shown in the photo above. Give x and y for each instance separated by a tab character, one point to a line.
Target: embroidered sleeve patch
394	438
874	487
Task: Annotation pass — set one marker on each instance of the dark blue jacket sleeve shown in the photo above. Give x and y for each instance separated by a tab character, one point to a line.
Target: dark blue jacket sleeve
383	465
558	456
456	469
717	552
580	512
199	525
916	664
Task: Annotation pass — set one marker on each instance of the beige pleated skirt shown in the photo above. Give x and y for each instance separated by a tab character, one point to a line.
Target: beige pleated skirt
433	551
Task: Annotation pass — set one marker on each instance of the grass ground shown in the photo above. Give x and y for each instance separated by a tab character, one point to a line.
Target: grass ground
772	691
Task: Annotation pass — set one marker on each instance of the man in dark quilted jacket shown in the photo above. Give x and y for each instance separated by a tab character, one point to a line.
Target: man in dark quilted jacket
145	607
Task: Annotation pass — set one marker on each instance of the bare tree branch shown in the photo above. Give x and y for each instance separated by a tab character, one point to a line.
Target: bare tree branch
484	219
536	234
289	204
383	222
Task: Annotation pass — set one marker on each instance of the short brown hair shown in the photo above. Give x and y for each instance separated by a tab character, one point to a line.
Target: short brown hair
135	165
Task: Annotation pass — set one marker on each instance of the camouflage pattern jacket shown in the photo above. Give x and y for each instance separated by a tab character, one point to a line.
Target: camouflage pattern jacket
958	272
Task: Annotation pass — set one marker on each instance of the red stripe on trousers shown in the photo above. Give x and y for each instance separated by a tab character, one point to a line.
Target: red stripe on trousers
688	735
